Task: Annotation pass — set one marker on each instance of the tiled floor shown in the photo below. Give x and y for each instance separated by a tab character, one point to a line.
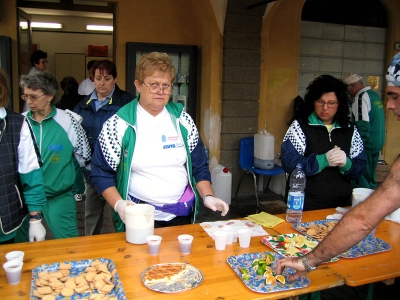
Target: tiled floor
271	203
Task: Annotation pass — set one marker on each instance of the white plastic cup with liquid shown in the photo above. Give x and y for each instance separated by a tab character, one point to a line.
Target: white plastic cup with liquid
185	243
13	270
153	243
220	239
15	255
229	233
244	237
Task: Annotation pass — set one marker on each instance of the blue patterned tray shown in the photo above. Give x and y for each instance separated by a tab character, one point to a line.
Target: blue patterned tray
78	266
369	245
256	283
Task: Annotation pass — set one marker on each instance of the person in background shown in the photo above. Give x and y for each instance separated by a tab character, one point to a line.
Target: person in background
359	221
95	109
61	139
21	181
369	116
38	61
324	141
151	152
68	100
87	85
70	97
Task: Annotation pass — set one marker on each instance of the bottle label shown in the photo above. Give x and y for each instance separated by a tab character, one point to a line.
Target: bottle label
295	202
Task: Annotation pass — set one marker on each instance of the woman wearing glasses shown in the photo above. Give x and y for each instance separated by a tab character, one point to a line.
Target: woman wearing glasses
324	141
151	152
21	180
61	141
95	109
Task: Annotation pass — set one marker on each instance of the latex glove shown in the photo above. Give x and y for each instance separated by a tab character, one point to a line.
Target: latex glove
36	231
329	154
119	207
339	157
216	204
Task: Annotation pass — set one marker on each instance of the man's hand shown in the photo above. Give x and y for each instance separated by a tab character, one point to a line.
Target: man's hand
119	207
339	157
291	262
36	231
216	204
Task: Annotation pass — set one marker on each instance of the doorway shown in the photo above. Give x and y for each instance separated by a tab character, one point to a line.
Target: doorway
68	48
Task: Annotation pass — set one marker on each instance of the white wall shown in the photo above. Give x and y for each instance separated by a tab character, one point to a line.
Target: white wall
73	38
58	42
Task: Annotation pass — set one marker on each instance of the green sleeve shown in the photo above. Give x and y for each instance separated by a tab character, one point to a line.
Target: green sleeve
322	162
33	189
347	166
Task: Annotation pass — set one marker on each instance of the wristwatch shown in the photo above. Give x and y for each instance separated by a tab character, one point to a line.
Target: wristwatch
306	265
38	216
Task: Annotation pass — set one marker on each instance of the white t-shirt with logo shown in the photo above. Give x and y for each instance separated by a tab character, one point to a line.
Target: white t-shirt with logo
158	171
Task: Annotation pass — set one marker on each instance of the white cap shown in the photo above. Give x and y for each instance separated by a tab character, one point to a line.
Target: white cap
351	78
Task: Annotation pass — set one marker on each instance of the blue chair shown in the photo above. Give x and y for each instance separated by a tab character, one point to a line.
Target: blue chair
246	162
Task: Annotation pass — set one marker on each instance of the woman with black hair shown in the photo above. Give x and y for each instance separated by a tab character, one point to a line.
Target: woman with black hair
329	147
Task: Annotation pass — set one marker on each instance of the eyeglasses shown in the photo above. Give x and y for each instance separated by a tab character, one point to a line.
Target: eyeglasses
155	88
330	104
32	97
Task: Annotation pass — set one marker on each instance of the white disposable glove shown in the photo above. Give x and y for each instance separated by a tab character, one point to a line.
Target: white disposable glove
339	157
36	231
216	204
119	207
329	155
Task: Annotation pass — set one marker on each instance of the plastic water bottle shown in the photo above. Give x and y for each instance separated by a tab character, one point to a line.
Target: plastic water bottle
295	203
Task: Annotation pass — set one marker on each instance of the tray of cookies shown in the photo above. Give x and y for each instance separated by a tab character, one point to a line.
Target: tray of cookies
317	230
83	279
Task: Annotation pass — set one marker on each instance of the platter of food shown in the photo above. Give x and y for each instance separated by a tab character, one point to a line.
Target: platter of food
257	271
172	277
291	245
319	229
316	230
83	279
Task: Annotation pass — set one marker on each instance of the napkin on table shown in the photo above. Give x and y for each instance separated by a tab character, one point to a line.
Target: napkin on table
265	219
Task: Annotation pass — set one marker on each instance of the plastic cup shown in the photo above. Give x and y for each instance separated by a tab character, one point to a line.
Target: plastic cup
13	270
185	243
153	242
15	255
244	237
229	235
359	195
220	238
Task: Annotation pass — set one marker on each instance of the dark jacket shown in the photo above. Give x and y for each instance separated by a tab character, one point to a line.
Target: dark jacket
93	120
307	144
68	101
21	182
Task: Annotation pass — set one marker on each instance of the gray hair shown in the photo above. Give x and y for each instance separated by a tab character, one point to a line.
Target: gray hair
40	81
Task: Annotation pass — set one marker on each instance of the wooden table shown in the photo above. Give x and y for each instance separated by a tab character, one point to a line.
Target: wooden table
220	281
366	269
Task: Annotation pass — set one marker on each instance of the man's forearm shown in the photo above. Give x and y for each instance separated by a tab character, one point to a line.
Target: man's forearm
359	221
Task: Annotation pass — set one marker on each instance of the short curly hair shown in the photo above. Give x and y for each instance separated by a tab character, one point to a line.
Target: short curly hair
327	84
152	62
69	85
40	81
